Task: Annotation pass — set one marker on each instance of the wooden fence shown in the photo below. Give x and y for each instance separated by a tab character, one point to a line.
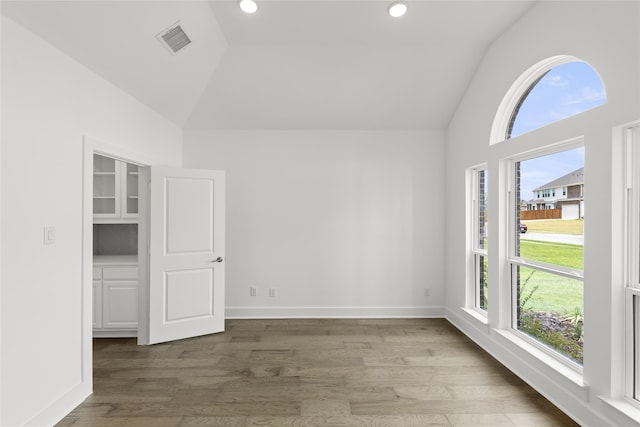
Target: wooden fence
541	214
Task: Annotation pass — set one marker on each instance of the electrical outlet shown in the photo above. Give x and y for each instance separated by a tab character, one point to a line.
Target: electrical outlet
272	292
427	292
253	291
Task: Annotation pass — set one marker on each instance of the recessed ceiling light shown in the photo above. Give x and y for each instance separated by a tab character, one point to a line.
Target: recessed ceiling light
397	9
248	6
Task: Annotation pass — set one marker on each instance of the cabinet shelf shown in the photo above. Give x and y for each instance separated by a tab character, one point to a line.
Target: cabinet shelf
115	190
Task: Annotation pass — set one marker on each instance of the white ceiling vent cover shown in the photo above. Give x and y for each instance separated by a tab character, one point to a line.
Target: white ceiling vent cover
174	38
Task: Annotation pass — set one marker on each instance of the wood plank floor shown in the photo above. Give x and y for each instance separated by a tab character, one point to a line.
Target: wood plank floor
329	372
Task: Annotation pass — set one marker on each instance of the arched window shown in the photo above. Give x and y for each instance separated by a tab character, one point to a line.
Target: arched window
550	91
564	91
545	190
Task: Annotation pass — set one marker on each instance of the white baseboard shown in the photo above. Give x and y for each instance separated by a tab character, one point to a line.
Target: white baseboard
115	334
61	407
545	381
331	312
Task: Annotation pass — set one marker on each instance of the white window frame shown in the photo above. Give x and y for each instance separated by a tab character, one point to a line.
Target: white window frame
632	266
515	93
515	261
475	252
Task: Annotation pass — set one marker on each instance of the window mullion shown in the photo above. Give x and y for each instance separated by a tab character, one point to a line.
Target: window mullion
549	268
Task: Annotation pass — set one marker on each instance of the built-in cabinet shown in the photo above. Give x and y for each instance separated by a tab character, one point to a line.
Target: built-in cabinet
115	190
115	295
115	261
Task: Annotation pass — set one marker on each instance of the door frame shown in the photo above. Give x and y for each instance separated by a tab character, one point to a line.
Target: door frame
92	146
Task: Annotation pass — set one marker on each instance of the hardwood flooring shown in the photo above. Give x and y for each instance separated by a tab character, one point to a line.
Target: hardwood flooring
328	372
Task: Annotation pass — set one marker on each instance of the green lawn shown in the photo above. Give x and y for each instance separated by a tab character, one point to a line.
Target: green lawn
554	293
566	255
560	226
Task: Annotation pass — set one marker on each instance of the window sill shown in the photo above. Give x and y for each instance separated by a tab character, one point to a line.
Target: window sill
560	368
624	407
477	317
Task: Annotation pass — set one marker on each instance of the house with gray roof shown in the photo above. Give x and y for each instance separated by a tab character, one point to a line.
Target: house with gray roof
565	193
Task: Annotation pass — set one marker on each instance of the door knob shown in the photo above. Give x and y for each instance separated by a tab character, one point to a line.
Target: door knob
219	259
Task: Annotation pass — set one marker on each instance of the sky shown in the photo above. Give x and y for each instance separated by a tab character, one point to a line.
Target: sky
566	90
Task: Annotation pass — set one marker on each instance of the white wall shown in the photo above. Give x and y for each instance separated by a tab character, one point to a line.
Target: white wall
342	223
49	102
606	35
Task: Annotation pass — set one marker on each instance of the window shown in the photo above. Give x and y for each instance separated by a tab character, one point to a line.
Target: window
564	91
544	274
635	319
480	195
632	292
547	270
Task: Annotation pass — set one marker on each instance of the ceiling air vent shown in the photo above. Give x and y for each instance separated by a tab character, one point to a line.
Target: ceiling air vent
174	38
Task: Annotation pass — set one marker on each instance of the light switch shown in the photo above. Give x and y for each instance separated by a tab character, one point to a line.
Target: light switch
49	235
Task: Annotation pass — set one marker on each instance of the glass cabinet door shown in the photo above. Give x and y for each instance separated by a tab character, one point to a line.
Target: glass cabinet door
106	181
115	190
131	182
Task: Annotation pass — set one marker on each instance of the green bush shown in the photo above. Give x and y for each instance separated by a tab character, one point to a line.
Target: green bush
567	340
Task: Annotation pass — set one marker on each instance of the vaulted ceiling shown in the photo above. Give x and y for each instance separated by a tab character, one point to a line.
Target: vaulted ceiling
294	64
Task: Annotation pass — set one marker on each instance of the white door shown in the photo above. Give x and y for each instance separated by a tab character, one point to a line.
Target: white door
186	253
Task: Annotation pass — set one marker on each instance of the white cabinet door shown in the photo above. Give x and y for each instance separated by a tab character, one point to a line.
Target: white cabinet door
120	299
186	274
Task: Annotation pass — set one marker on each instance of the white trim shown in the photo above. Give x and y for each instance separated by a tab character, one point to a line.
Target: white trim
91	146
332	312
470	268
548	149
539	375
544	356
477	316
517	90
143	254
623	406
535	347
472	297
548	268
630	383
632	340
61	407
1	399
115	334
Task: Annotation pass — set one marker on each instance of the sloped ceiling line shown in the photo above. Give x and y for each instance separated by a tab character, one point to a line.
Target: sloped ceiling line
313	64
